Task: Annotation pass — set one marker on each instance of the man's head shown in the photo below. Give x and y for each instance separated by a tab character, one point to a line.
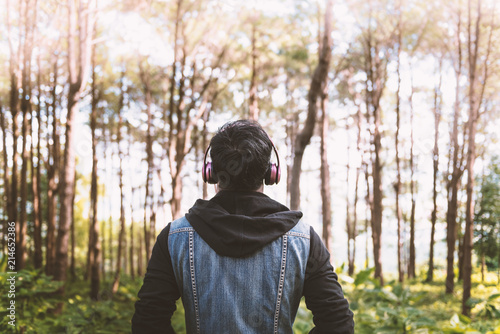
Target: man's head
240	152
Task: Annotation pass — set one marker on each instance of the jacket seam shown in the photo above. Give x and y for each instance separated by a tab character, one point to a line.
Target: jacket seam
298	234
182	229
281	283
193	280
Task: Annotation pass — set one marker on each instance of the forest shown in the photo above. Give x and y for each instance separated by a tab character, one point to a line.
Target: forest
385	114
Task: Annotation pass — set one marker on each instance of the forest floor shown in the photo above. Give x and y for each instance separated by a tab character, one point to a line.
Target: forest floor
414	307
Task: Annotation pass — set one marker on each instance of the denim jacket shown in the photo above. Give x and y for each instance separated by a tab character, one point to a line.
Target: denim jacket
240	262
224	294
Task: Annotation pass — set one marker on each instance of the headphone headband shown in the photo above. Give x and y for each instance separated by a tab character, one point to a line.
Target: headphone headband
272	176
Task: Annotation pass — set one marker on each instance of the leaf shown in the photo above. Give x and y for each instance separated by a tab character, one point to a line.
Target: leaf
493	297
362	276
464	319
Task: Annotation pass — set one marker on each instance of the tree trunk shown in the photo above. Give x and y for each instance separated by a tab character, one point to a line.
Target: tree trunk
132	245
435	164
6	190
14	60
412	259
23	217
52	172
456	174
77	82
397	186
304	137
369	211
348	223
253	104
475	99
35	180
121	235
94	230
325	170
73	241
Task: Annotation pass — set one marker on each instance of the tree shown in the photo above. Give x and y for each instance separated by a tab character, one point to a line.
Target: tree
477	83
121	236
435	170
94	251
78	67
456	166
318	78
487	218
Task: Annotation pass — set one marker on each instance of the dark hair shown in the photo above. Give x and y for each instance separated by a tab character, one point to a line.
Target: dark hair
240	152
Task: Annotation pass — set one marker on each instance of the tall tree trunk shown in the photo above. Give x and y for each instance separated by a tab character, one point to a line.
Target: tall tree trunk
121	235
73	237
412	258
6	187
375	68
14	60
35	179
204	144
23	217
354	230
397	186
140	269
348	222
132	245
369	212
319	76
148	202
325	169
29	16
94	230
475	99
77	81
456	173
53	184
435	165
253	103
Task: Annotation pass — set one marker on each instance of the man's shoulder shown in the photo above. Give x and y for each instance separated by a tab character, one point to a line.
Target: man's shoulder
179	225
301	229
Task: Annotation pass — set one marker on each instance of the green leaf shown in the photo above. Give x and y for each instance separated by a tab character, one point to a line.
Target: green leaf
362	276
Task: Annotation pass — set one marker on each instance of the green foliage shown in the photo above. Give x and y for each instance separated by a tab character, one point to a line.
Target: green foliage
417	308
487	217
34	298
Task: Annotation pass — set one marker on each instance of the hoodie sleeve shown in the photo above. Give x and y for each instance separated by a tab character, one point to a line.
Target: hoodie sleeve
323	293
158	293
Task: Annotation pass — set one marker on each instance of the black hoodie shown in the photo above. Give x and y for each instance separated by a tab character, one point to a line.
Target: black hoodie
237	224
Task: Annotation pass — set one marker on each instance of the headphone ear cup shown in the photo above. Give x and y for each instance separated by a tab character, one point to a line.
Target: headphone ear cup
273	175
207	173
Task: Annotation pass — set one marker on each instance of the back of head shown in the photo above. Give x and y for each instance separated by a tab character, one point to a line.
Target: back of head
240	152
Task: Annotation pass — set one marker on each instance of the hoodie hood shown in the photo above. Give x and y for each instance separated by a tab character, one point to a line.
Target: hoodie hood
238	223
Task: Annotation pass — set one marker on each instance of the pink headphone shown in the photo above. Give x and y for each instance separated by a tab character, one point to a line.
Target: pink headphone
273	174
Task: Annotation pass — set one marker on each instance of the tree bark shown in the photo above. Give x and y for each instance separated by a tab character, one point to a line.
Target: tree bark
348	222
397	186
412	257
121	235
456	174
36	178
253	103
304	137
435	165
326	195
6	190
77	81
94	249
52	172
14	73
475	99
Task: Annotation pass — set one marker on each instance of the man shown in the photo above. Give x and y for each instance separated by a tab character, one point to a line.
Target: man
241	261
